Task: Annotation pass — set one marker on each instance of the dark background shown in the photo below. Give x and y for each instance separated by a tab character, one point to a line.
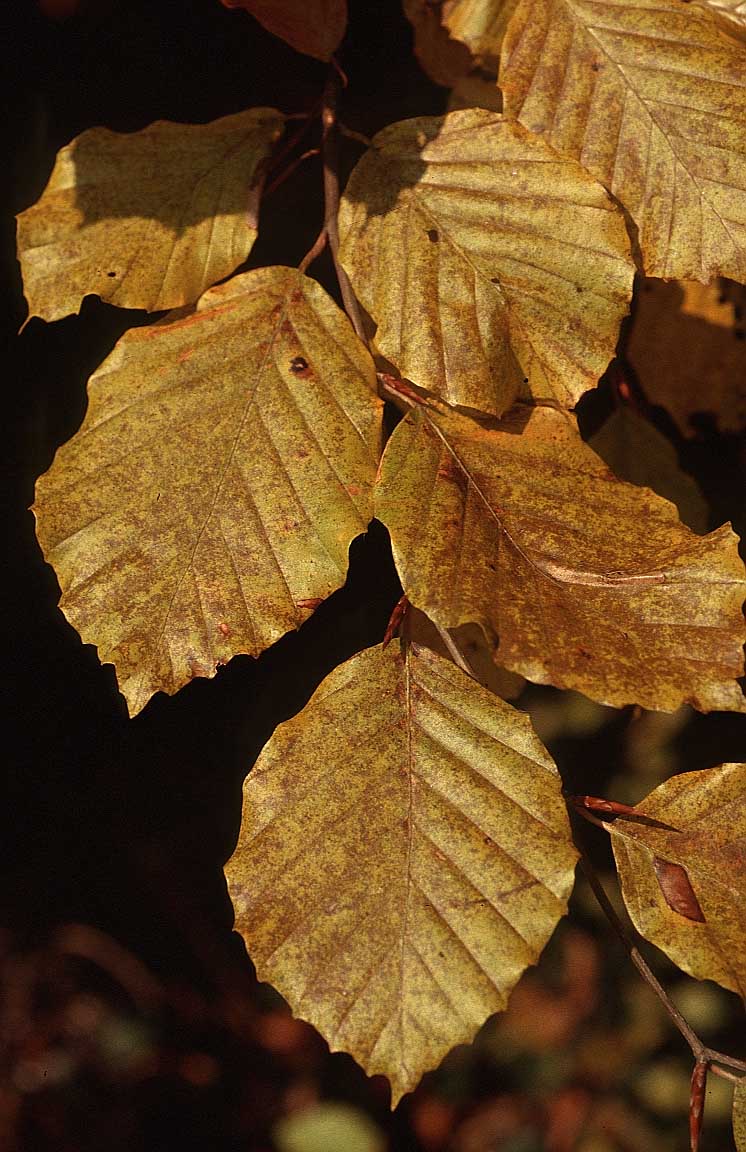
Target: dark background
131	1018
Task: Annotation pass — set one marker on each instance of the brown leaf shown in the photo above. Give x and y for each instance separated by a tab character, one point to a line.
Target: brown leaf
314	27
688	353
637	452
454	37
685	890
577	579
677	890
739	1115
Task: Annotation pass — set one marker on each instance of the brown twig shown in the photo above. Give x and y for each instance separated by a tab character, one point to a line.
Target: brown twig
700	1050
281	177
315	250
330	161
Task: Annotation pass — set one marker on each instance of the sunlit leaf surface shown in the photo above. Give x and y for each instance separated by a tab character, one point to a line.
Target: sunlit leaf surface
581	580
404	855
224	466
650	98
485	259
147	219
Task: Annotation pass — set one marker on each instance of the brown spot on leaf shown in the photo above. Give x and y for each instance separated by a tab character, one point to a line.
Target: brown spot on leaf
449	470
225	629
677	890
299	367
432	235
311	604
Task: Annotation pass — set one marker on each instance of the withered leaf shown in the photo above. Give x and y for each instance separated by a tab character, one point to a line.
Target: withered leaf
739	1115
147	219
651	99
225	464
314	27
732	12
636	451
485	259
677	890
452	38
695	918
581	580
404	856
688	354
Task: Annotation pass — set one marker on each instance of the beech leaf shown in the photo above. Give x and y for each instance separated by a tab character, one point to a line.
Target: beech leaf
147	219
684	885
581	580
314	27
636	451
452	38
404	856
687	355
484	259
225	464
732	12
739	1115
652	100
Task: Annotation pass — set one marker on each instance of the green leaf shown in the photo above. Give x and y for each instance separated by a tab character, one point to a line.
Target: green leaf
404	855
650	98
485	259
147	219
685	884
208	502
580	580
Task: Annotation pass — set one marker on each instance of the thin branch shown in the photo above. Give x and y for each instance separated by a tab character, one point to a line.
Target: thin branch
330	161
701	1052
725	1074
286	172
691	1037
315	250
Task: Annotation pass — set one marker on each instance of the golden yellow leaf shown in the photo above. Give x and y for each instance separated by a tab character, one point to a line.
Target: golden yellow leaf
739	1115
581	580
480	24
471	642
484	258
652	100
636	451
225	464
147	219
688	355
732	12
314	27
455	36
685	884
404	856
